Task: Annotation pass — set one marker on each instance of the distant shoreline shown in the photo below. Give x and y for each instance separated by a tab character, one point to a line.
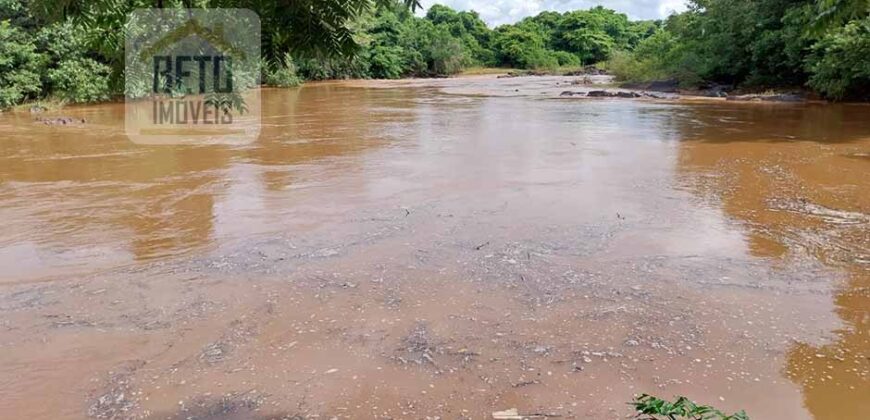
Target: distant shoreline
768	96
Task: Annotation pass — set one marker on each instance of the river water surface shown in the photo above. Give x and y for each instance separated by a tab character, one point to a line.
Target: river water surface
440	249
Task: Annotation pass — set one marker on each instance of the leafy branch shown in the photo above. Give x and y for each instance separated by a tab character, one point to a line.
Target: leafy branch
652	408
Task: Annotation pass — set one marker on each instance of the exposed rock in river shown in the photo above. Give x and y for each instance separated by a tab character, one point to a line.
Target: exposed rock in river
784	97
614	94
60	120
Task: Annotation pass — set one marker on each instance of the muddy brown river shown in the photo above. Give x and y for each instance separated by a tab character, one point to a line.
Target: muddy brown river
440	249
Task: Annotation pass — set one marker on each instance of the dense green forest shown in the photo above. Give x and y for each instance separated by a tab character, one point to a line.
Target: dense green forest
820	44
72	50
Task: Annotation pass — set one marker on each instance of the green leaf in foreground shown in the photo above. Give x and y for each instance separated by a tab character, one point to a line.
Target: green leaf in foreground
652	408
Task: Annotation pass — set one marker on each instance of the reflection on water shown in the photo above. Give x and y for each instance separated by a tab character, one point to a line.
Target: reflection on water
779	186
84	197
790	175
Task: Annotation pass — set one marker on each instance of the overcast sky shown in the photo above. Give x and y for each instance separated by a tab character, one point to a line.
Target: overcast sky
497	12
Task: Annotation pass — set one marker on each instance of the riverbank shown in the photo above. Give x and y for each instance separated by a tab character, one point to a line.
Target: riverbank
497	82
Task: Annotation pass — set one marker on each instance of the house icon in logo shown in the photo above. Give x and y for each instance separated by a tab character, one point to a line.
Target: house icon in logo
214	36
192	76
204	49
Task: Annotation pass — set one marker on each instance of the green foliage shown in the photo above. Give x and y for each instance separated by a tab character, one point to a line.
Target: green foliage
73	48
655	408
840	62
386	55
394	44
38	59
308	27
78	49
658	57
471	31
444	53
17	13
386	62
80	80
523	47
592	34
20	65
281	74
331	67
759	44
320	31
73	75
566	59
832	14
551	39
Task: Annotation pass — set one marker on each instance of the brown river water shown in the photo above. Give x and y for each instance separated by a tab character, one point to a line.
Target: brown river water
440	249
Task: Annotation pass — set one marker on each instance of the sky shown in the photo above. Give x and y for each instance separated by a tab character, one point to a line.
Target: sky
498	12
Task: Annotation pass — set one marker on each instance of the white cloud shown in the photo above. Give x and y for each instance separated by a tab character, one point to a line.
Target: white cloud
498	12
